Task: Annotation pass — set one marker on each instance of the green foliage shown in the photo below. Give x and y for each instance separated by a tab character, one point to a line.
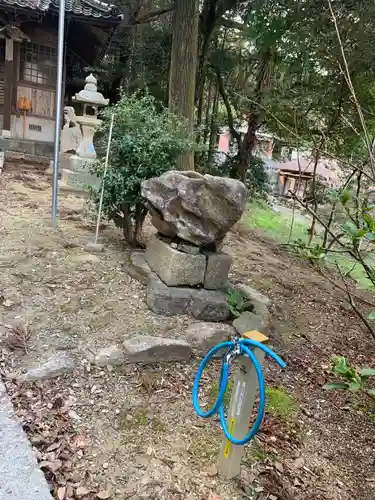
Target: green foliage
350	378
257	181
277	225
237	302
146	142
315	252
280	403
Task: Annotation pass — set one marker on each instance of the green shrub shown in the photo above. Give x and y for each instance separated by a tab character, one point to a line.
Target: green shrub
237	301
147	140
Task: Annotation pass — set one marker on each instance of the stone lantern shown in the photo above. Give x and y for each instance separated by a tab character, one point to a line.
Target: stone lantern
77	136
92	100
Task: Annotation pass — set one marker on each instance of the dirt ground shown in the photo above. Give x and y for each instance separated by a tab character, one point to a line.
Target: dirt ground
131	432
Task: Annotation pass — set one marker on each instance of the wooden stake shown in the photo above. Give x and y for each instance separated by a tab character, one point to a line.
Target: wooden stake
240	408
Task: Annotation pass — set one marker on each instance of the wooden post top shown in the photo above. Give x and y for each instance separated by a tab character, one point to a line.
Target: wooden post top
257	336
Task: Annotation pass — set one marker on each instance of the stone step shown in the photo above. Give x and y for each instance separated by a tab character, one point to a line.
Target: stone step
79	180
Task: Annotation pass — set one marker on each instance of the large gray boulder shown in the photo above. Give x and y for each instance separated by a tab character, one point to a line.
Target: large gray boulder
197	208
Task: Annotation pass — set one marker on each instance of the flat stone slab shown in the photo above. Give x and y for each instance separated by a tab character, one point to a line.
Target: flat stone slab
59	364
167	300
137	268
205	335
206	305
173	267
209	305
248	321
79	179
111	355
147	349
257	299
20	476
183	246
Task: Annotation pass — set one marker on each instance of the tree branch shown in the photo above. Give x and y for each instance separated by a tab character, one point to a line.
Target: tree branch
354	307
228	23
154	13
355	253
323	151
236	135
314	214
325	275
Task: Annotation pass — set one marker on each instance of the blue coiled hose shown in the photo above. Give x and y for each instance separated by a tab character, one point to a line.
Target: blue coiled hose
234	348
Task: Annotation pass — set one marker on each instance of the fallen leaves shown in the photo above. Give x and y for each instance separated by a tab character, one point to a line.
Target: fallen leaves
59	450
82	491
7	303
104	495
212	470
52	466
299	462
61	493
279	467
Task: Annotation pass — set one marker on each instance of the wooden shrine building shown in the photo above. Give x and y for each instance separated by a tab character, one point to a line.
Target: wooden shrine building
28	64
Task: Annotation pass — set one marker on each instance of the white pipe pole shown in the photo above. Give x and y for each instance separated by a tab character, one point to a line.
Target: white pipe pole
103	180
58	102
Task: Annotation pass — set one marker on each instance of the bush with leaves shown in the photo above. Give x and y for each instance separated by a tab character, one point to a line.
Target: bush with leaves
348	242
351	379
147	140
257	180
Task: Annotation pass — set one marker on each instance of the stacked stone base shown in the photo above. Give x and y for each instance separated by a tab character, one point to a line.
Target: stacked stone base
187	280
206	305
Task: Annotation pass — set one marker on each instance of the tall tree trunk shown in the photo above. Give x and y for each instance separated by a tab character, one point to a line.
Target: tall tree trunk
207	24
207	116
255	116
200	112
211	13
183	68
200	158
212	142
198	154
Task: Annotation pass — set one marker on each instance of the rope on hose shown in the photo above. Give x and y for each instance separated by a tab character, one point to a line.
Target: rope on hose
237	347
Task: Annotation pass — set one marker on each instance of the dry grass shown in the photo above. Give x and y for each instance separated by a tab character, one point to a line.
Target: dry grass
18	338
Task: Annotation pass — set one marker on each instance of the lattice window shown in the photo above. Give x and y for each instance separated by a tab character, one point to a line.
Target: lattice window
34	127
38	64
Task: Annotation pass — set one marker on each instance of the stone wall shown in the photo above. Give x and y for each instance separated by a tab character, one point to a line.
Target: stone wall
26	150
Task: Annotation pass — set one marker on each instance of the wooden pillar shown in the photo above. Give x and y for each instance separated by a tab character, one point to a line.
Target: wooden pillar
8	86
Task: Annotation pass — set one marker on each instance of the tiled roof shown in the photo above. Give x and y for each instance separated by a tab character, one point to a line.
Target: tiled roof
87	8
327	168
14	32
